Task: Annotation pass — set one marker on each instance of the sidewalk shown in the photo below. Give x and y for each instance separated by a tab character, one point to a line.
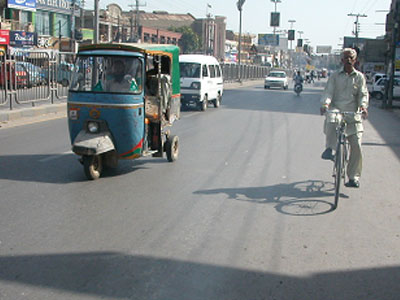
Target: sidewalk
43	112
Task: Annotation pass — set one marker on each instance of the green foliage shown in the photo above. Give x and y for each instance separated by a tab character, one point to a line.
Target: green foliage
190	41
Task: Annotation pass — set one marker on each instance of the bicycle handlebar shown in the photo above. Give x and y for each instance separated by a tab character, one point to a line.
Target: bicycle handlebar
343	112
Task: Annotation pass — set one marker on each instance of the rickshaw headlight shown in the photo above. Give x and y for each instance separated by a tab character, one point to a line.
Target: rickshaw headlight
195	85
93	127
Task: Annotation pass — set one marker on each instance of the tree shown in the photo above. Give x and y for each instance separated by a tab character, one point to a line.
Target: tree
190	41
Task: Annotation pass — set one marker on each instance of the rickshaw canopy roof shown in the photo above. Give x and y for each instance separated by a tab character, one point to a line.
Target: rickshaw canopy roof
151	49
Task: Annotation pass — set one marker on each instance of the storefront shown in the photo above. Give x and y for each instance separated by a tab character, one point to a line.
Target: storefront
53	18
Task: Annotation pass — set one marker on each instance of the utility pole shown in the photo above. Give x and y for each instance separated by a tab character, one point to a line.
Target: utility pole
73	22
392	63
356	31
82	25
96	21
209	32
135	33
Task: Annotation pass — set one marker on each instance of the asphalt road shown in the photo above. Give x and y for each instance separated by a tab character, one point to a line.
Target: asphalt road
245	213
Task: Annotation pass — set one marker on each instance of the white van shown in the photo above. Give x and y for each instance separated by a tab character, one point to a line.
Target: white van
201	80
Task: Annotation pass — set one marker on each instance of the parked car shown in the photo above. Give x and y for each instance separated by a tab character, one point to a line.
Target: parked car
201	80
19	76
276	79
35	73
377	90
64	73
377	76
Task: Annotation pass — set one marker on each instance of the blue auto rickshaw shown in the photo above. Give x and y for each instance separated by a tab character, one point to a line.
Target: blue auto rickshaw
122	101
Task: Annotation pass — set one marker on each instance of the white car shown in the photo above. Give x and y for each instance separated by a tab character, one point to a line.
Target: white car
377	90
276	79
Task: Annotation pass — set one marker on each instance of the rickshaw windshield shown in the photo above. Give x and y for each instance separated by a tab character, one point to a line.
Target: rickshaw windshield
108	74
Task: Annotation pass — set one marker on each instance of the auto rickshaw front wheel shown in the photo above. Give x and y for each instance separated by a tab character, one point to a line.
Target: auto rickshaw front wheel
172	147
93	165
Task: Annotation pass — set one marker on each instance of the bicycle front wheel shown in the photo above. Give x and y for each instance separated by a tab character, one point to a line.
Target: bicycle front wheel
339	156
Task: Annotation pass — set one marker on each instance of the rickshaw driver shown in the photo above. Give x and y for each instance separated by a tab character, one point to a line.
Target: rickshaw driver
119	81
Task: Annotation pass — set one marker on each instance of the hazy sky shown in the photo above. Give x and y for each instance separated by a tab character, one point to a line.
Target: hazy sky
323	22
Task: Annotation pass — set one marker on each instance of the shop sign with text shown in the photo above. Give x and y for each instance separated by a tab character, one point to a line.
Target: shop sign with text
55	5
22	4
23	38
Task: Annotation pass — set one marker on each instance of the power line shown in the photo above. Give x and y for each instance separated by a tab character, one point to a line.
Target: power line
367	4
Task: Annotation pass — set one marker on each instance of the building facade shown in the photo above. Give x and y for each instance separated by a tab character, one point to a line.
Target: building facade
38	23
213	34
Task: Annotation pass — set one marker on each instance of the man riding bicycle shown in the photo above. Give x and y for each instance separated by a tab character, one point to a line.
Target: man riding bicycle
346	90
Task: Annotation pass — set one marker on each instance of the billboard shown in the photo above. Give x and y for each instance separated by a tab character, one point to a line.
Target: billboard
22	4
268	39
274	22
324	49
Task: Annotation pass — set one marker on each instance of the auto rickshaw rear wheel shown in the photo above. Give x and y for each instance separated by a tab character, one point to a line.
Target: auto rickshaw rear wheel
172	148
93	165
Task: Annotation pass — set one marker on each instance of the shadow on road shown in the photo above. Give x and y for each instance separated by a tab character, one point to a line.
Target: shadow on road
387	123
60	169
114	275
302	198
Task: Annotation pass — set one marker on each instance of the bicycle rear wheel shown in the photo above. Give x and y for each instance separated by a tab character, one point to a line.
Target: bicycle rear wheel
339	157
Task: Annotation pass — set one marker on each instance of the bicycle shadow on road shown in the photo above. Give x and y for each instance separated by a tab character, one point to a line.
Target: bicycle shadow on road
302	198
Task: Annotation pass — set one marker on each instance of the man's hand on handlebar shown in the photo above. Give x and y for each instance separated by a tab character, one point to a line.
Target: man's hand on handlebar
364	112
323	110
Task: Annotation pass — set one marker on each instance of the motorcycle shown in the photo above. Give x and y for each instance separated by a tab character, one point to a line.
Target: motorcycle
298	88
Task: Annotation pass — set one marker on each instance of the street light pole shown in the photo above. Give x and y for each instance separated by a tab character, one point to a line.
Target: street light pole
274	55
275	2
290	52
291	27
239	6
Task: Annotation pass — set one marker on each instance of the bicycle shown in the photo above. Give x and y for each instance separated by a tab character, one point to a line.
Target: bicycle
341	157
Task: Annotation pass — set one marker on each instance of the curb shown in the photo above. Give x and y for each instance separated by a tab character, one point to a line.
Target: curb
45	109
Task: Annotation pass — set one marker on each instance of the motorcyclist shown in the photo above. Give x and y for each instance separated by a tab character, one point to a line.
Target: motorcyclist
298	79
298	82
